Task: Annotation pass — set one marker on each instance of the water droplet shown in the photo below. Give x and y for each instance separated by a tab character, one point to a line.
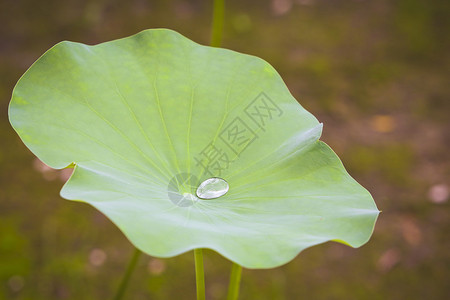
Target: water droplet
212	188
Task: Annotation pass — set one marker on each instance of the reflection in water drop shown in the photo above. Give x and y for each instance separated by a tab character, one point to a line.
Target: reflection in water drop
212	188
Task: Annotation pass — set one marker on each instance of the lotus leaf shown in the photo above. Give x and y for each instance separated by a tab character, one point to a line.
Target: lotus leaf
146	119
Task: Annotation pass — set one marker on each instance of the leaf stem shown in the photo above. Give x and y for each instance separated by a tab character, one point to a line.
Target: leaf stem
216	39
235	278
127	276
217	23
199	274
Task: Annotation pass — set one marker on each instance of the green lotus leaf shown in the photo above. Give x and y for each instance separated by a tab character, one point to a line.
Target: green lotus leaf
148	118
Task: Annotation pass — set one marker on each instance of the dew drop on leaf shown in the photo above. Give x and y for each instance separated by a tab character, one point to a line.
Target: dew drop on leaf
212	188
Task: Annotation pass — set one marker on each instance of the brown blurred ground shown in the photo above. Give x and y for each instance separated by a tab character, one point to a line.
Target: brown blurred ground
376	73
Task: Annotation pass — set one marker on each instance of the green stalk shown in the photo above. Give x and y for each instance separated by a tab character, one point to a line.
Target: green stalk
235	278
217	25
216	39
127	276
199	274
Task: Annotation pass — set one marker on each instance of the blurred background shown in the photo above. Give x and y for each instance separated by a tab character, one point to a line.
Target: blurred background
376	73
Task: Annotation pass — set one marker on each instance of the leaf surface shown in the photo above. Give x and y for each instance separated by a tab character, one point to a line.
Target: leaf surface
146	119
